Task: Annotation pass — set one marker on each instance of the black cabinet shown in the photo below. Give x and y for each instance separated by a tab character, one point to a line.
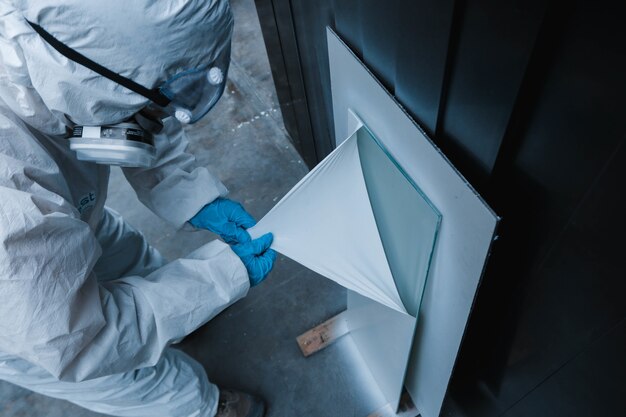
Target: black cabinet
526	98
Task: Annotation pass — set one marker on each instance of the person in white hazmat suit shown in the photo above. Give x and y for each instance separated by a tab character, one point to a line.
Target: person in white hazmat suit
87	308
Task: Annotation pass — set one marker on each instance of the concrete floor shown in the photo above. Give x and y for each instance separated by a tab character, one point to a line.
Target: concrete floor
252	344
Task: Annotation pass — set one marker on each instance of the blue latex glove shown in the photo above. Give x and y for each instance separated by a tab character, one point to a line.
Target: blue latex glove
257	257
226	218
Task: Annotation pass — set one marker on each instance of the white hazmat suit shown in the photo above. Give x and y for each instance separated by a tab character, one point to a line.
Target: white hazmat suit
87	308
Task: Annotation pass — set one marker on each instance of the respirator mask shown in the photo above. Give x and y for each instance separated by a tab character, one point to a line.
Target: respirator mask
187	96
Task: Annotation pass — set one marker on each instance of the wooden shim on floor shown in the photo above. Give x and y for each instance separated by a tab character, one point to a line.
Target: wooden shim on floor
406	408
323	335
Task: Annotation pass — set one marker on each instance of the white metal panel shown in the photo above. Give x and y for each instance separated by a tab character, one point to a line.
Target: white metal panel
465	235
383	337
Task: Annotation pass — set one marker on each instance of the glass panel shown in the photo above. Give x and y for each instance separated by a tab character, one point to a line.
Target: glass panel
407	221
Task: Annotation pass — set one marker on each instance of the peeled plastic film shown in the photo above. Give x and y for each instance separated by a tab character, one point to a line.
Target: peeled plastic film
327	223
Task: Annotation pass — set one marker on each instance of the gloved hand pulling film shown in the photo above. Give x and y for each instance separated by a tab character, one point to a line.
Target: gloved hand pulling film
257	257
226	218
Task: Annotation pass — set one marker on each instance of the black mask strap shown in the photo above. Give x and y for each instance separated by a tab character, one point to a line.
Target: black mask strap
153	95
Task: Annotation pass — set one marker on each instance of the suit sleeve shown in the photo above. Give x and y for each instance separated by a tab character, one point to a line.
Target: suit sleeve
175	188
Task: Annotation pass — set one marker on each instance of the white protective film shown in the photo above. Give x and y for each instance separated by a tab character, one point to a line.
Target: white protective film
326	223
360	221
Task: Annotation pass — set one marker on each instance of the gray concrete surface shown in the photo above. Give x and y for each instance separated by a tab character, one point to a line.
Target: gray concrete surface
252	344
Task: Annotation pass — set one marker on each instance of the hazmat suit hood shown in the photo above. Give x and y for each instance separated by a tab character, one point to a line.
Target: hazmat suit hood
147	41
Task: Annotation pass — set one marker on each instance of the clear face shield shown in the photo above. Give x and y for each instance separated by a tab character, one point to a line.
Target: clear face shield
194	92
187	96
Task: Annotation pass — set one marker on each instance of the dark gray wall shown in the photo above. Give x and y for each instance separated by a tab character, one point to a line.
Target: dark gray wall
526	98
